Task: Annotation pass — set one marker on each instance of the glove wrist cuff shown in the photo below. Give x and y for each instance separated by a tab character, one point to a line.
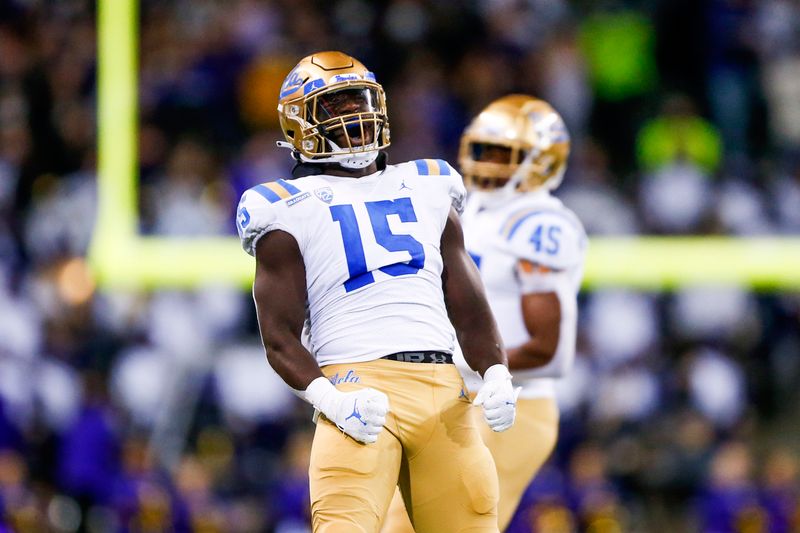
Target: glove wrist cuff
496	372
318	391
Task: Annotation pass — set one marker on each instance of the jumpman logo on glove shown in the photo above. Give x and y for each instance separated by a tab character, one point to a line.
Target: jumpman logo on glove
355	414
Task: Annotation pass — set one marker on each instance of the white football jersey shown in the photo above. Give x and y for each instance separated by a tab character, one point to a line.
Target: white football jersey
531	243
371	248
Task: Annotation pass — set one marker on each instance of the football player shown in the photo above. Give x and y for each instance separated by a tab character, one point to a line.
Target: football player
530	251
370	258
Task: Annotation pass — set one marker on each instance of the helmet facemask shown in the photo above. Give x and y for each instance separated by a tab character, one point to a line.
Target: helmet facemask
343	123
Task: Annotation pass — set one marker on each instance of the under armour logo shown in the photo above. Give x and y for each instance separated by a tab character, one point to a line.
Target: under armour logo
463	394
355	414
404	186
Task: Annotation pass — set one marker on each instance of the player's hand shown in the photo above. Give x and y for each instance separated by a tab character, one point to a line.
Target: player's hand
498	398
361	414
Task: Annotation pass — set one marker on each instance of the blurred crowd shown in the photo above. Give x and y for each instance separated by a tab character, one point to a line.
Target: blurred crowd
156	411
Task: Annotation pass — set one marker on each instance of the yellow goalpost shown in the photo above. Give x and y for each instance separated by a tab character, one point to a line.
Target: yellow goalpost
121	258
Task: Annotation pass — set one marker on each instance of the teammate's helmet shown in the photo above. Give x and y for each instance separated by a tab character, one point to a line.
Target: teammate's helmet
333	111
516	138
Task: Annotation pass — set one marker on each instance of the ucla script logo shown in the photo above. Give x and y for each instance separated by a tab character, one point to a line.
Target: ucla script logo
350	377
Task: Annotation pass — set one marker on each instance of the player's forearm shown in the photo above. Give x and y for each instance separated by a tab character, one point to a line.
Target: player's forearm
481	354
293	363
477	333
532	354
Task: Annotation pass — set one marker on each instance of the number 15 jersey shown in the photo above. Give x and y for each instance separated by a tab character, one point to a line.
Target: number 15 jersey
371	249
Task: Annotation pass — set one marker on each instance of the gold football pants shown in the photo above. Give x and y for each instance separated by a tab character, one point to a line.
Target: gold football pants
518	452
430	448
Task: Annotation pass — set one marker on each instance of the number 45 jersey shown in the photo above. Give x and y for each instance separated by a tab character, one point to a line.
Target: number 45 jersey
371	249
530	243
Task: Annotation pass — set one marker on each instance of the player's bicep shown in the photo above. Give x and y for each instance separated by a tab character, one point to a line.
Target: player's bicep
460	277
541	313
279	289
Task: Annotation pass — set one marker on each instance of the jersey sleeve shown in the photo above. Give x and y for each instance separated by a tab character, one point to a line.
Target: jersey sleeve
458	193
449	175
537	278
547	240
255	217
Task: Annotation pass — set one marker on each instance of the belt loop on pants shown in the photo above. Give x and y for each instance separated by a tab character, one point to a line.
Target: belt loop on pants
421	357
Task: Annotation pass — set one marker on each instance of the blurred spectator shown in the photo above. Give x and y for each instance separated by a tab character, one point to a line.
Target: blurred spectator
249	390
741	210
621	326
591	495
10	435
590	190
716	387
785	197
563	77
781	490
678	134
676	198
732	71
619	46
89	450
290	498
729	502
715	314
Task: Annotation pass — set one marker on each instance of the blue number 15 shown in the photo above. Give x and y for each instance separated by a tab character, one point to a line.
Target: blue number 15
354	248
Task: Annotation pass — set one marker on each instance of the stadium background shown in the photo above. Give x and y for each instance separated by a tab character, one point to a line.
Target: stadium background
125	409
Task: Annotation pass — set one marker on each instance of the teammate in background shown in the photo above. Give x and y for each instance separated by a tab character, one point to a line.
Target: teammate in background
370	257
530	252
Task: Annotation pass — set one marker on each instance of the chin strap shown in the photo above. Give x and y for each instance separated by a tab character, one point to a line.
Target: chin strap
353	160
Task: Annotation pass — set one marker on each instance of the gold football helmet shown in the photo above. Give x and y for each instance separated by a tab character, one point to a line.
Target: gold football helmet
518	141
332	110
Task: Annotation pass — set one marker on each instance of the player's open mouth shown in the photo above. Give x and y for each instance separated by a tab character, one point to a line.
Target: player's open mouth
354	133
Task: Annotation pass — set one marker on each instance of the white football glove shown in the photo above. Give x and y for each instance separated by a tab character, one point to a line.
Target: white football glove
498	398
361	414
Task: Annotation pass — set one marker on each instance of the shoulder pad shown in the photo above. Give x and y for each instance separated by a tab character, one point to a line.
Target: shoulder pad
256	216
433	167
553	238
275	191
455	184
